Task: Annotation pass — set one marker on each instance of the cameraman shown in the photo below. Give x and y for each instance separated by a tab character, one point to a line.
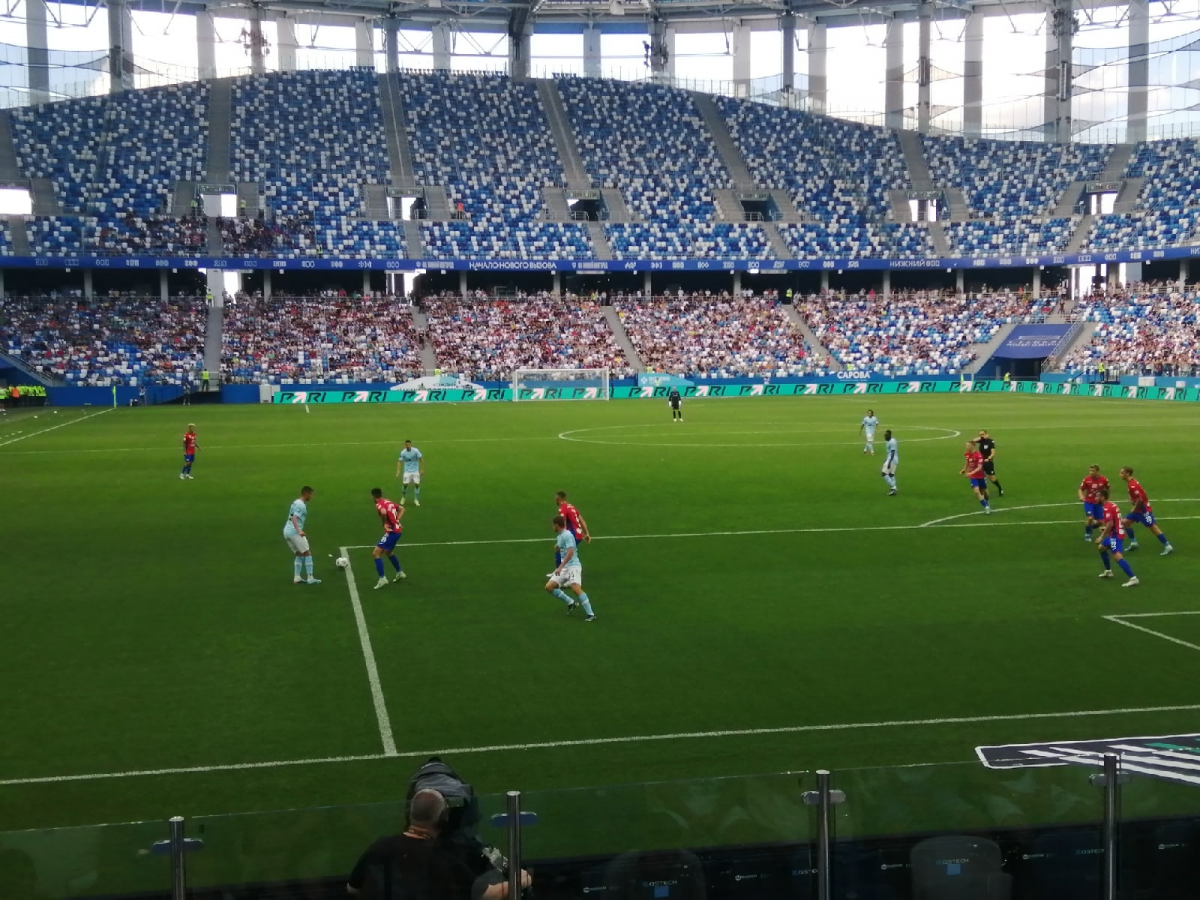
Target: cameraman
415	865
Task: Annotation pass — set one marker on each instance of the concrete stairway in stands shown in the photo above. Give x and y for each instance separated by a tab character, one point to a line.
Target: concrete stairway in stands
212	344
599	240
1082	231
181	200
618	329
399	151
247	192
984	353
414	241
939	239
717	127
564	137
220	119
45	202
1084	337
428	357
810	336
18	235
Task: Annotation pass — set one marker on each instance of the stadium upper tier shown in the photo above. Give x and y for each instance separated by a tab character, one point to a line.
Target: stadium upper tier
677	177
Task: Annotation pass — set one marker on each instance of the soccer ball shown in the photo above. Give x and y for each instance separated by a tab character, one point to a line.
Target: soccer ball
341	562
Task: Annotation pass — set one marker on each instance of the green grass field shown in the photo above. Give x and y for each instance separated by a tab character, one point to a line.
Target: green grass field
749	574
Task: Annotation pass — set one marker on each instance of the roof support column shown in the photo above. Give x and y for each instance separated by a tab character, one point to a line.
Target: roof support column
120	47
924	68
741	59
206	45
973	76
443	40
391	43
519	48
787	25
1139	69
258	43
285	37
1060	39
37	52
592	56
818	80
662	50
364	44
894	75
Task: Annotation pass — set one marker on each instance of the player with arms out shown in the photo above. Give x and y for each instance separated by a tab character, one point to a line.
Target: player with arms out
675	401
189	453
890	462
1142	513
1112	537
973	469
297	540
867	430
412	465
569	572
1089	495
389	514
987	449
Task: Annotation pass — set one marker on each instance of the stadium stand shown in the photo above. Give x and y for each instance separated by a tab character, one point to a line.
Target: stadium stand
716	337
650	143
1144	229
131	234
312	139
1015	236
59	235
1011	179
103	342
854	237
488	339
913	333
1146	329
338	339
6	246
485	139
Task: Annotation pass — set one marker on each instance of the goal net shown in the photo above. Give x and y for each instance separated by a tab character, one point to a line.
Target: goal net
560	384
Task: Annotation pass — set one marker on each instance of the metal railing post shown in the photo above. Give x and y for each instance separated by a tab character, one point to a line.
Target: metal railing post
514	845
824	798
1111	789
178	865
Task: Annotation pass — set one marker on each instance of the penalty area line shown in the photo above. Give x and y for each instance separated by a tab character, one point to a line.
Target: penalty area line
364	638
629	739
1120	620
54	427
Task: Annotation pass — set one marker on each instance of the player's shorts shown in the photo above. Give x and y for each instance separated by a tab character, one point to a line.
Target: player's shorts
1093	510
1145	518
296	542
675	404
989	467
389	540
890	468
189	458
569	575
411	478
980	483
1114	544
870	436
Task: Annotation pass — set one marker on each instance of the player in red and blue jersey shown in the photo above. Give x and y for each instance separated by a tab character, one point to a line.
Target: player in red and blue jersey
1089	495
389	514
973	469
575	523
189	453
1112	539
1142	513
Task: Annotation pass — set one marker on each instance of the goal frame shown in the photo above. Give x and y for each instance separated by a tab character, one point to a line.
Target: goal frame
602	392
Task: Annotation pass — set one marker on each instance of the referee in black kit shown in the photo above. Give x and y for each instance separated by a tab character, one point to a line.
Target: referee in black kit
987	448
676	404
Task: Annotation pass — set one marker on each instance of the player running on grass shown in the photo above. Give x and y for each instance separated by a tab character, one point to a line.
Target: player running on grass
189	453
413	465
987	448
1141	513
389	514
293	533
1111	540
867	430
1089	495
973	469
890	462
575	523
569	572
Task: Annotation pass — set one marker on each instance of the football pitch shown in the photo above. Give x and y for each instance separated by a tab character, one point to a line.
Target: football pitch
762	605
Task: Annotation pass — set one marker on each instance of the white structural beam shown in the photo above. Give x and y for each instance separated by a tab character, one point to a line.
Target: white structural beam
1060	39
206	45
818	61
593	57
285	40
38	54
443	45
893	94
741	39
924	68
787	27
973	76
258	42
120	47
364	44
1139	68
391	43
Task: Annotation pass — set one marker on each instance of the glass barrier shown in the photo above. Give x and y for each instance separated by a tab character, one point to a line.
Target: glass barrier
94	861
1158	838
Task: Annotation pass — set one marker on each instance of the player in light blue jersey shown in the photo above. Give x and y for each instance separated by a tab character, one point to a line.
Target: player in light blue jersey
412	466
569	572
890	461
297	540
867	430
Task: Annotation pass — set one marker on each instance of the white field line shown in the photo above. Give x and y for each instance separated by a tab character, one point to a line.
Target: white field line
53	428
288	446
949	434
1120	621
1038	506
1189	612
364	637
630	739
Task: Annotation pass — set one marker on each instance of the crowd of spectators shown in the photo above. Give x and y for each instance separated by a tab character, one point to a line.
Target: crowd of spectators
488	339
914	332
252	237
155	233
327	338
107	341
1144	329
716	336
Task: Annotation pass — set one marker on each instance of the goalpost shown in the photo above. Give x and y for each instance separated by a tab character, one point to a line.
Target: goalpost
560	384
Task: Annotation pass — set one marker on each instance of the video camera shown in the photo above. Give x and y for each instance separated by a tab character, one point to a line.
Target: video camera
459	832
